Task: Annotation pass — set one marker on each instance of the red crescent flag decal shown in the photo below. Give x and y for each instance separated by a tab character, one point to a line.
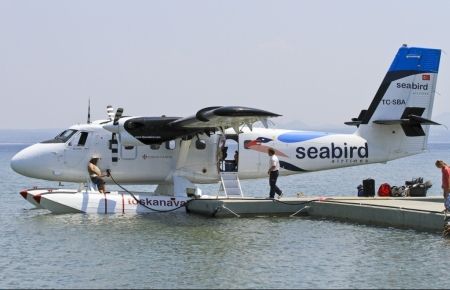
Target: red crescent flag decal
425	77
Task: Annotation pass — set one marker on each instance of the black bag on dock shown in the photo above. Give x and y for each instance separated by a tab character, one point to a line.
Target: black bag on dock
414	181
417	188
369	187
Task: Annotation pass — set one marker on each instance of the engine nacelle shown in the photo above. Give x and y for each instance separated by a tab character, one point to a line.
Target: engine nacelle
138	131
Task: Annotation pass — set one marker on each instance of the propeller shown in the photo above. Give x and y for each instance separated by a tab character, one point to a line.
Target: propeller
118	115
113	123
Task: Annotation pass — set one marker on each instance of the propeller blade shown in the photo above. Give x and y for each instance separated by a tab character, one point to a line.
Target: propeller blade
110	112
118	115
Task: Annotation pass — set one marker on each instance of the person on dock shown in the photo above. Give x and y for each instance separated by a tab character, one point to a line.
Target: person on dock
274	167
445	169
96	175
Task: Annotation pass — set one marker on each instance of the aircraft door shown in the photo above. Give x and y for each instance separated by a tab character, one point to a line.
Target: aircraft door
228	153
128	152
77	150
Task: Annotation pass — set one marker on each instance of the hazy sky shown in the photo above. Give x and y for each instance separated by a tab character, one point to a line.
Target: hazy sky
319	62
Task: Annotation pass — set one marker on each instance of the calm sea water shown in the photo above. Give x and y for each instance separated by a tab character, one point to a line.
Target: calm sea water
41	250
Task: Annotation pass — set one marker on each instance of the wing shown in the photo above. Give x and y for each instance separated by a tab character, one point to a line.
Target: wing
155	130
224	117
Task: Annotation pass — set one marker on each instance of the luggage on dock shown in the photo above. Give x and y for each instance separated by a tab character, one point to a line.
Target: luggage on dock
369	187
384	190
417	188
414	181
397	191
360	190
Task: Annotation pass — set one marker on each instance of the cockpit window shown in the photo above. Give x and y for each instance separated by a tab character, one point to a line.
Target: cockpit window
79	139
62	137
83	139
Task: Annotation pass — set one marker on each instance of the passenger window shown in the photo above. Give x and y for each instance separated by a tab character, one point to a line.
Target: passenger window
155	146
170	145
128	147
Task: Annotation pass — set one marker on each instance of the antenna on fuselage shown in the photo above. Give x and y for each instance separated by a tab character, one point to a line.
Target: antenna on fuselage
89	111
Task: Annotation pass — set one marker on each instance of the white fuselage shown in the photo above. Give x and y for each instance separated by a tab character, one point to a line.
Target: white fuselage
298	152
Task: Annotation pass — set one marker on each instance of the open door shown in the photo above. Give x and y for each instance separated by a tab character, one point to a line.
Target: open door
228	153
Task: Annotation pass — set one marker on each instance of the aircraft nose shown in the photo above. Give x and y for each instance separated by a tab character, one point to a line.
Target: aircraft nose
28	162
21	162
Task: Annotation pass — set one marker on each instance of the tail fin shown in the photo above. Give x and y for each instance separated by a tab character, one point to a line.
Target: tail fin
398	118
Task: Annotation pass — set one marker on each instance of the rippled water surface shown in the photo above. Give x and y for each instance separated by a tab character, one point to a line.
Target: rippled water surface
41	250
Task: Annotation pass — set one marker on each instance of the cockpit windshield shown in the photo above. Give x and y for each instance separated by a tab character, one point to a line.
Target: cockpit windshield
62	137
65	135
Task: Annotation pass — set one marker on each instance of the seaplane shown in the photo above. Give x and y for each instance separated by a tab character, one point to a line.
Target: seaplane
179	154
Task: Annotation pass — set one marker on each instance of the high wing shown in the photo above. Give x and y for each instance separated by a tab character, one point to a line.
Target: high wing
155	130
224	117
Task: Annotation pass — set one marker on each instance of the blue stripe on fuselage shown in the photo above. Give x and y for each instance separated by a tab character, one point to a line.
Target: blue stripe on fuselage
298	136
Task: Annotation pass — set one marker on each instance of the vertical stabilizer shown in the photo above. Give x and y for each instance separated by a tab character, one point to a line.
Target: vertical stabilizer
398	119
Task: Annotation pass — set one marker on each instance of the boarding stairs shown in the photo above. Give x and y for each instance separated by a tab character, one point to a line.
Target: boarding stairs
230	185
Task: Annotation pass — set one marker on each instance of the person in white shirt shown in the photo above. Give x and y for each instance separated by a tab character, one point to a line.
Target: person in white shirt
274	167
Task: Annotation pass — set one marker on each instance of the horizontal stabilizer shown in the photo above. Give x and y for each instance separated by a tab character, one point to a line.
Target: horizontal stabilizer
353	123
410	125
410	116
423	121
411	119
357	121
